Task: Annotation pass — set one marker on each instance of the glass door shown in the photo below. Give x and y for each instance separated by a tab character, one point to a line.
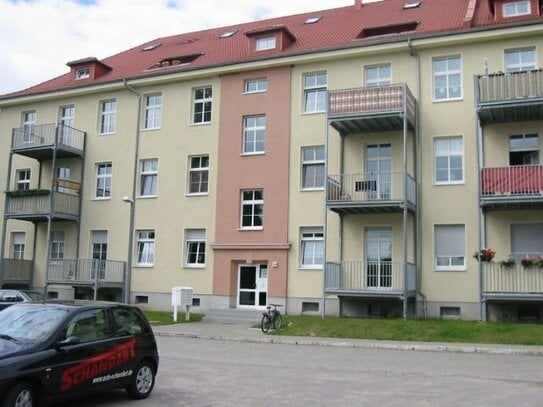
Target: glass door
379	258
253	286
66	132
378	170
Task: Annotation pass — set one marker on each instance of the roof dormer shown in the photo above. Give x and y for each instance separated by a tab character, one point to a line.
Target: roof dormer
270	38
88	68
506	9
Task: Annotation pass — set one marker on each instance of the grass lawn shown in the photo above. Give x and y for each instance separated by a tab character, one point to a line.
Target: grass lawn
414	330
166	318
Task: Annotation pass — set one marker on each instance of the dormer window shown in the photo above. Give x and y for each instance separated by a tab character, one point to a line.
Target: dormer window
265	43
82	73
516	8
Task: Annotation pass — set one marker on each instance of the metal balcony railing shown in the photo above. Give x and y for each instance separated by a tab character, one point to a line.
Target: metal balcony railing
370	187
521	180
367	276
16	271
47	135
63	204
510	86
512	280
86	272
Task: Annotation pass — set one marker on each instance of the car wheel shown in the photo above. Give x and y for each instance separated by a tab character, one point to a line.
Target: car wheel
142	381
20	395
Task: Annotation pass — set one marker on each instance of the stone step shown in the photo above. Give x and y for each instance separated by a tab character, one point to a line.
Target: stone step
232	316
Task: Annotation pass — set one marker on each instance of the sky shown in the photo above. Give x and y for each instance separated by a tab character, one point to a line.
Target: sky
40	36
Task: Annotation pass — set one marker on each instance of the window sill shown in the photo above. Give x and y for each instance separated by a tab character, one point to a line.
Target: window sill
460	99
310	268
449	269
257	153
312	113
194	266
440	184
197	194
144	266
101	199
319	189
147	197
250	229
200	124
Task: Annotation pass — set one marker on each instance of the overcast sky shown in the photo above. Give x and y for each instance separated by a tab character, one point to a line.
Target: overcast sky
38	37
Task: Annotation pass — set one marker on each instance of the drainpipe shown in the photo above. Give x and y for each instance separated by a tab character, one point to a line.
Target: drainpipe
418	210
131	200
5	220
325	226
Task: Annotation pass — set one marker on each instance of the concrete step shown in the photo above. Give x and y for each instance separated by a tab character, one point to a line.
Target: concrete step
232	316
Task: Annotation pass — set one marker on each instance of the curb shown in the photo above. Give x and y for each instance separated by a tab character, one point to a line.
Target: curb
366	344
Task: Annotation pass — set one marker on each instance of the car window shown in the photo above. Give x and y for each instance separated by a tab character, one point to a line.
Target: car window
8	296
128	322
35	296
30	324
88	326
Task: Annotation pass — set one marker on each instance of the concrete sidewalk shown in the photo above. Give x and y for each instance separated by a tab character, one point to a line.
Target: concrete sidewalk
246	332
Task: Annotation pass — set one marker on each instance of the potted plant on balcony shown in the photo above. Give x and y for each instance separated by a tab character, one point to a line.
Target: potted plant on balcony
27	192
484	255
532	262
509	262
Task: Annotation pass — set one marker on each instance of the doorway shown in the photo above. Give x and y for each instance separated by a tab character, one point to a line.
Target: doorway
379	257
253	286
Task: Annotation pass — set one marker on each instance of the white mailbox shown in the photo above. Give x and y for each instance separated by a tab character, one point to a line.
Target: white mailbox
181	297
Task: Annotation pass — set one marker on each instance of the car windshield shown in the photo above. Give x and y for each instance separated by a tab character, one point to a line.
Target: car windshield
34	296
30	323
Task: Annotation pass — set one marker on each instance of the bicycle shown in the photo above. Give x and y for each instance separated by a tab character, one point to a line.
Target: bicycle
272	317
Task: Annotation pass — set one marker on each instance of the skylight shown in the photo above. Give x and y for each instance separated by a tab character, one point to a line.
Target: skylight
151	47
227	34
411	4
312	20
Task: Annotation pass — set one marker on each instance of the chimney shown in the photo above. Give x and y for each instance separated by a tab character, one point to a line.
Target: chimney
358	4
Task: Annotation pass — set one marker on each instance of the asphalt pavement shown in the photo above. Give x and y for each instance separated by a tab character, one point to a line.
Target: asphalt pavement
247	332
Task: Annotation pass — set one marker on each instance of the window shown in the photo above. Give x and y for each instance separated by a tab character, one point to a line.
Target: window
66	130
256	85
377	75
146	247
18	242
63	183
254	134
99	253
103	180
448	152
23	180
252	209
524	149
312	247
88	326
153	111
450	247
526	240
107	116
516	8
263	44
82	73
202	105
148	177
57	245
195	247
315	92
29	124
313	167
517	60
447	74
199	175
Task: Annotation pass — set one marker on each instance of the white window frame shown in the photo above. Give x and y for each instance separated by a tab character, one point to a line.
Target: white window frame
103	181
148	173
205	101
252	202
145	250
521	65
195	246
18	243
381	79
313	162
512	9
23	184
82	73
199	173
254	133
445	255
57	245
265	43
448	154
311	243
29	124
152	111
255	85
108	109
314	90
448	74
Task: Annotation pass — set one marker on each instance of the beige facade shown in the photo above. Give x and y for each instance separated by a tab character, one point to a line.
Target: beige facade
213	179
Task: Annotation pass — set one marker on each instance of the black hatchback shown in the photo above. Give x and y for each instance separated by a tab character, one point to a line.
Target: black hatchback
54	352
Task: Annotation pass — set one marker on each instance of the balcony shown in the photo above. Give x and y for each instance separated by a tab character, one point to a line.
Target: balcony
86	272
513	187
16	272
371	279
509	97
371	109
371	193
42	141
513	283
40	204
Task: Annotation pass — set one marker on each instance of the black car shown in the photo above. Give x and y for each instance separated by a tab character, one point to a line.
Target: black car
53	352
10	297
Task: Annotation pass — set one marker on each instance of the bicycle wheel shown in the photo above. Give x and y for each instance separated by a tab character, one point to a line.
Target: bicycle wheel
278	321
265	323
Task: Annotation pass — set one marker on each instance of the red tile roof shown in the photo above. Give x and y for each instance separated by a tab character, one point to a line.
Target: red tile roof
338	28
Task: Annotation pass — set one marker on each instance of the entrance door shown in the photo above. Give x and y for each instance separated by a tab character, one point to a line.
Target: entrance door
378	170
379	258
253	286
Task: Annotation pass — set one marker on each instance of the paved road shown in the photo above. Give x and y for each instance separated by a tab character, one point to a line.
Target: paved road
200	372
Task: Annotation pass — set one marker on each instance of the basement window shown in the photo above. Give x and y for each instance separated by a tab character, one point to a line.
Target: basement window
449	312
142	299
410	5
310	306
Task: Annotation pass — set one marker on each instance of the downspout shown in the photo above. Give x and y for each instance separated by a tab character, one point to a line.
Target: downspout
404	157
418	210
325	226
5	220
481	219
128	274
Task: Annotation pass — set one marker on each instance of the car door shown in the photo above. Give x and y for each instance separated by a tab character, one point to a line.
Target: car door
95	360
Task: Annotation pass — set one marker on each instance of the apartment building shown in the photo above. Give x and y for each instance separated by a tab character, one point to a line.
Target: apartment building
342	162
